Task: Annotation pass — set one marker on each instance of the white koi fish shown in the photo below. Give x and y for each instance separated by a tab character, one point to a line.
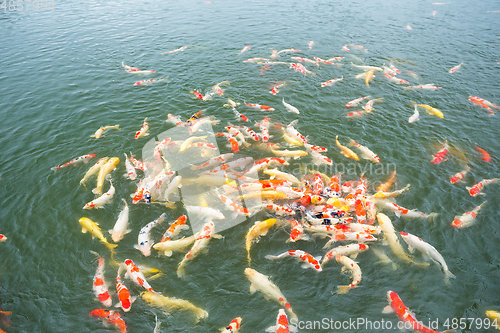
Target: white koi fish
75	161
102	200
309	260
288	51
146	82
454	69
176	50
365	152
467	219
368	68
291	131
100	289
131	173
307	60
143	131
396	80
290	108
429	86
428	250
256	59
310	44
169	246
356	101
173	186
403	212
135	274
331	82
261	282
101	130
144	239
347	250
319	159
207	212
355	272
121	226
200	244
415	115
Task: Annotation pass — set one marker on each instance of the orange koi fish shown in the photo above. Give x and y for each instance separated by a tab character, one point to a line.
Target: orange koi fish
110	317
484	154
123	293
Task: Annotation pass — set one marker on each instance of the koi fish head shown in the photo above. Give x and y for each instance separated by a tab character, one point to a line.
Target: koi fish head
457	223
396	303
100	313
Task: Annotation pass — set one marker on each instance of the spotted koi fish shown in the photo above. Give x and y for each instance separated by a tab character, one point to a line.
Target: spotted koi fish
355	271
75	161
144	239
235	147
309	260
347	250
99	286
110	317
440	156
134	273
233	327
143	131
264	127
459	175
175	228
260	107
125	300
476	189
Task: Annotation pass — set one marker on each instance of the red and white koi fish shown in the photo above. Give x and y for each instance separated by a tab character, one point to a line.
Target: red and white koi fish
350	236
359	47
318	184
200	244
428	86
217	89
282	325
239	116
146	82
197	94
275	87
440	156
110	317
131	173
404	314
264	128
261	282
476	189
235	147
459	175
99	286
157	152
389	71
176	50
144	130
130	69
246	48
233	327
394	68
309	260
290	108
233	206
300	68
356	114
134	273
291	131
454	69
326	62
144	243
102	200
279	209
288	51
347	250
213	161
335	59
137	163
482	100
237	134
346	48
360	211
75	161
401	211
368	68
467	219
302	59
175	228
125	300
297	232
310	44
331	82
318	149
369	105
3	238
355	271
319	159
356	101
256	59
260	107
365	152
395	79
249	132
484	106
484	154
427	250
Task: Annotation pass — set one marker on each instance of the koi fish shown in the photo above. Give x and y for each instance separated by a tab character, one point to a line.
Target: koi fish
427	250
137	163
302	59
131	173
428	86
384	187
430	110
484	154
300	68
288	51
200	244
125	300
167	247
386	195
233	327
235	147
110	317
213	161
309	260
94	169
274	89
326	62
467	219
260	228
103	172
346	151
369	105
261	282
282	325
331	82
101	130
143	131
175	228
355	271
246	48
440	156
3	238
347	250
356	101
346	48
369	76
415	115
310	44
239	116
176	50
131	69
144	239
75	161
102	200
395	79
335	59
459	175
368	68
260	107
264	128
190	140
476	189
217	89
93	227
485	102
291	131
135	274
146	82
365	152
297	232
404	314
99	286
233	206
454	69
168	304
401	211
197	94
256	59
356	114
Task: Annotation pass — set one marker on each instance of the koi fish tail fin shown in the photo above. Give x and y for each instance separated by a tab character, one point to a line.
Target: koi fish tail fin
181	273
111	247
54	168
200	314
343	289
271	257
432	216
97	191
449	274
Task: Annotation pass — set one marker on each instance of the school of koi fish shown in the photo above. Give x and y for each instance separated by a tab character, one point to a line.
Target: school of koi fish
349	214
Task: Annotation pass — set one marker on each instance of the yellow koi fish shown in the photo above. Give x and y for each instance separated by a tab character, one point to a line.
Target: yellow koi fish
260	228
103	172
93	227
346	151
94	169
168	304
430	110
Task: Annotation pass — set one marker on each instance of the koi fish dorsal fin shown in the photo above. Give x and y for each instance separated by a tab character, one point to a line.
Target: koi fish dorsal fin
388	309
